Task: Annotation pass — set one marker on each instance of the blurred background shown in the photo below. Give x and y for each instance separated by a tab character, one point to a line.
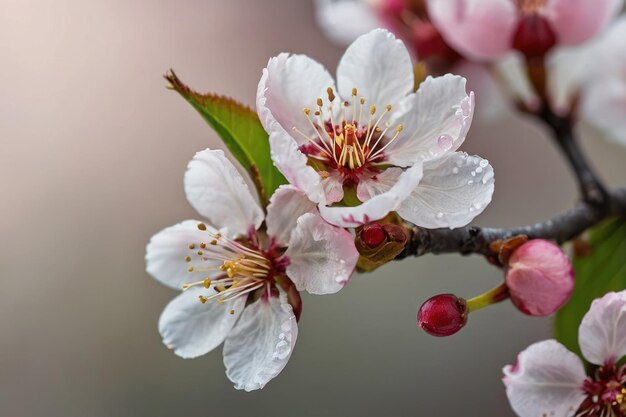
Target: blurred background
93	151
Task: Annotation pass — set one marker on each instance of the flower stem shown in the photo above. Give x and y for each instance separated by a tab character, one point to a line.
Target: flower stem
495	295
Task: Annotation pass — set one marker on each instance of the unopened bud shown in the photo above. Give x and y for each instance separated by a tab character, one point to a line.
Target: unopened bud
443	315
540	278
373	235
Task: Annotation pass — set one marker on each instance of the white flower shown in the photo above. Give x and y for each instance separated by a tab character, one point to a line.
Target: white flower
549	380
591	77
345	20
370	145
238	280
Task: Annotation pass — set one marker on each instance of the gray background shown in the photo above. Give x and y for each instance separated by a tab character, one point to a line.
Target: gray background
91	164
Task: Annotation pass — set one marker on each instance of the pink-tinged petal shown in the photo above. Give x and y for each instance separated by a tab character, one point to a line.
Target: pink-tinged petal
289	84
192	328
286	205
333	187
167	250
479	29
454	190
260	345
376	207
345	20
602	333
321	257
546	381
372	185
575	21
379	66
218	192
435	119
603	105
511	73
293	164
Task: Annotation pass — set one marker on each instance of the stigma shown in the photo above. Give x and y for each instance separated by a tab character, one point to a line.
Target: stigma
233	269
358	138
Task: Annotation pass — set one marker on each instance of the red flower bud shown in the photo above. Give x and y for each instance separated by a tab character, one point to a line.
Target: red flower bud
373	234
534	36
442	315
540	278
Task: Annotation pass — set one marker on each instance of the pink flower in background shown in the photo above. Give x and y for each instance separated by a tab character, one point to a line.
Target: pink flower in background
239	281
487	29
540	278
370	143
549	380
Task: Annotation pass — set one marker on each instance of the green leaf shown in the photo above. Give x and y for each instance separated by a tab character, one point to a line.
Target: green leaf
241	131
602	270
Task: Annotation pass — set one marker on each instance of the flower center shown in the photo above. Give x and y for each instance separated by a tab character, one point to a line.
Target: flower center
606	393
233	268
353	141
530	6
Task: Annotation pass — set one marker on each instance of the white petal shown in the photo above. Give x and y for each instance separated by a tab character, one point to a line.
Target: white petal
217	191
286	205
321	257
568	70
259	347
435	119
333	187
379	66
293	164
511	73
167	250
603	105
344	20
192	328
376	207
546	381
455	189
289	84
602	333
372	185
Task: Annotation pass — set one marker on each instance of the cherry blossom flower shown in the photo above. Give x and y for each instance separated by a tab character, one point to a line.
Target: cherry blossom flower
238	280
487	29
549	380
370	145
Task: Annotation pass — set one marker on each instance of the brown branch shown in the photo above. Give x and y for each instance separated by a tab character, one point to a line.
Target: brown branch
472	239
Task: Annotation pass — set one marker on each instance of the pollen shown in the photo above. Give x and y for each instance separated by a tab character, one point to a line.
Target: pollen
201	226
192	246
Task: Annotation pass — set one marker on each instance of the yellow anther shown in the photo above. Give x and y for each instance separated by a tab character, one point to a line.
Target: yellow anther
346	104
317	113
354	91
230	272
232	312
220	288
203	299
218	236
192	246
187	258
319	102
213	242
203	245
200	252
372	110
400	128
201	226
388	107
323	174
190	269
362	100
185	286
306	111
207	283
331	94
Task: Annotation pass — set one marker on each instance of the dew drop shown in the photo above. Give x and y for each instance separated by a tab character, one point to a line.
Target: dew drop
445	142
470	182
479	170
455	170
440	215
473	173
483	163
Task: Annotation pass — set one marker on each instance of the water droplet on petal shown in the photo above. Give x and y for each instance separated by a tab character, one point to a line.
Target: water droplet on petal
445	142
440	215
479	170
455	170
470	182
483	163
473	173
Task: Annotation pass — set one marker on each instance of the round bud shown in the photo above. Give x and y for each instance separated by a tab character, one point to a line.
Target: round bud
373	235
442	315
540	278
